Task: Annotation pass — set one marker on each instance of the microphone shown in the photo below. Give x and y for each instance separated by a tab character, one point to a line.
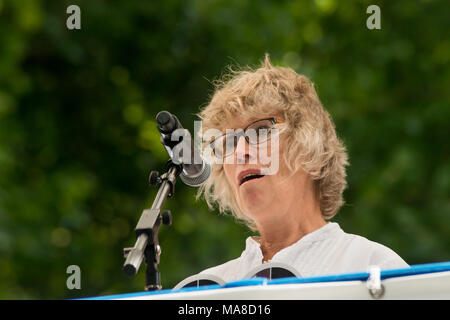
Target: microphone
180	147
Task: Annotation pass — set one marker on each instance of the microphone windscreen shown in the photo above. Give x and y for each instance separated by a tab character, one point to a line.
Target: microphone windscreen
198	180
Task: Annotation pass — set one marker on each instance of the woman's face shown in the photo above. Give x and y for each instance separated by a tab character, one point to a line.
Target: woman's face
265	197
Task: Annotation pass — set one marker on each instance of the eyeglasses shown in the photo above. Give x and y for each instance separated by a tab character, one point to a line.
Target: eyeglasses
255	133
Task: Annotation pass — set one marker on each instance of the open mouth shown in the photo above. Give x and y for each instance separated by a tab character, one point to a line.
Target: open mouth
250	176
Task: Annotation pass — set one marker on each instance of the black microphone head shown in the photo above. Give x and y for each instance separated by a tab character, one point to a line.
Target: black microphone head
163	117
167	122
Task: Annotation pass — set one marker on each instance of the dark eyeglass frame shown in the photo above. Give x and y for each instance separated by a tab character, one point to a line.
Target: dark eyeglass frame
273	120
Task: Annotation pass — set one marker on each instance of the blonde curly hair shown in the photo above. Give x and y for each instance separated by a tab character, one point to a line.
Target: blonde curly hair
309	132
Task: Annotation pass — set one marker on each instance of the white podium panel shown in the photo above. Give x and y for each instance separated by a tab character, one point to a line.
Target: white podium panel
428	281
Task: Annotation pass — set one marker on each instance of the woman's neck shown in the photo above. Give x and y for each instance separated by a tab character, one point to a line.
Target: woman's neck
287	230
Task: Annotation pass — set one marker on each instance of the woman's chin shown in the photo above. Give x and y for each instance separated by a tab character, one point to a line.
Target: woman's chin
255	202
251	196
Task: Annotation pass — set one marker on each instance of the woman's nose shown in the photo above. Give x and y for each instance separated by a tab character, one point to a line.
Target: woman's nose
242	154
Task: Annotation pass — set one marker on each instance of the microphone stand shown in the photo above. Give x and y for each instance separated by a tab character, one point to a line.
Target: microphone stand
147	243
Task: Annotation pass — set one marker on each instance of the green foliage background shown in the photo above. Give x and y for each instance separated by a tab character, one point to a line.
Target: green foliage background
78	135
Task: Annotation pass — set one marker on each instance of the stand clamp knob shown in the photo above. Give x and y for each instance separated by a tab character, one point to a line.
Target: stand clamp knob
154	178
167	218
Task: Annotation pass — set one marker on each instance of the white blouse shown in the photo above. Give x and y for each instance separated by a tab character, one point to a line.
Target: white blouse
326	251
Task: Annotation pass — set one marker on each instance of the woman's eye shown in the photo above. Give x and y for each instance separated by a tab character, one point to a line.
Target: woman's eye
262	129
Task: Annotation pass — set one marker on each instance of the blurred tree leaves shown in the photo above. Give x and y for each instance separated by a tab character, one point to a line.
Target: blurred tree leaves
78	136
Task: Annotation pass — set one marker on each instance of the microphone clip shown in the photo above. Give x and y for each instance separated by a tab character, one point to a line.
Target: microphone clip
155	179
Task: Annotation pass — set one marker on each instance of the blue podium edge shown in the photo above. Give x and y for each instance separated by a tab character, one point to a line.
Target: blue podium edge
151	293
361	276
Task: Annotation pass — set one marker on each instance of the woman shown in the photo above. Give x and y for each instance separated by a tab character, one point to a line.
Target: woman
288	207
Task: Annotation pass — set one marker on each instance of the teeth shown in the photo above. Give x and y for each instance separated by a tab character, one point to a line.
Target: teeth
248	175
